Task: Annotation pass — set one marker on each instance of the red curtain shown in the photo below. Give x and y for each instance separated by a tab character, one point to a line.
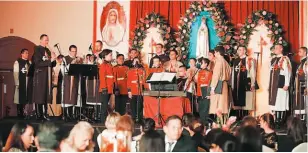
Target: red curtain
287	13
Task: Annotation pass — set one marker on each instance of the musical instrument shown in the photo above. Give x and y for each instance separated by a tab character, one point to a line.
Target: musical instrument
165	93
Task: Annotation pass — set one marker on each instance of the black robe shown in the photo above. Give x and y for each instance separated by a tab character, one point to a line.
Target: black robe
276	80
70	85
240	82
23	91
300	85
42	84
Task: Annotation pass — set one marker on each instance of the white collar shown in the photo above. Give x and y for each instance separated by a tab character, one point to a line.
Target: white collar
280	55
167	140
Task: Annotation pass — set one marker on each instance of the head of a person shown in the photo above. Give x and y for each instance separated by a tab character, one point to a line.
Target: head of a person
182	71
219	51
106	54
225	142
90	58
48	137
211	55
152	141
98	45
250	139
198	127
80	137
148	124
211	137
136	62
192	62
133	53
120	59
156	62
173	128
302	51
24	53
241	51
125	123
188	120
204	62
112	17
73	51
296	130
278	49
267	121
20	137
249	121
111	120
159	48
203	20
173	54
44	40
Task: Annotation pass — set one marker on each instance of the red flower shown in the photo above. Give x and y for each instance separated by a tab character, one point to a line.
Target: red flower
236	37
228	38
249	21
191	15
270	26
242	41
167	36
221	33
142	28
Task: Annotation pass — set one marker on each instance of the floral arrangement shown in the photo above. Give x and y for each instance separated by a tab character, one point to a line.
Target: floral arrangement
152	20
223	27
258	18
225	122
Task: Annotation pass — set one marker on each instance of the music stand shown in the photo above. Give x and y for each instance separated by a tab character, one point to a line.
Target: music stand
82	70
160	78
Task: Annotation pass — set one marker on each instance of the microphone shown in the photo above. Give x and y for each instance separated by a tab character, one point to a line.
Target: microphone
90	47
56	45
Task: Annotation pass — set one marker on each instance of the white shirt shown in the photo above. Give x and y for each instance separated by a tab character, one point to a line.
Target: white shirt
167	144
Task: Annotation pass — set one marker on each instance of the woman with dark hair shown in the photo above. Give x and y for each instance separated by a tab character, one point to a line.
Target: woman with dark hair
249	139
269	135
20	138
152	141
187	121
295	135
210	138
225	142
147	125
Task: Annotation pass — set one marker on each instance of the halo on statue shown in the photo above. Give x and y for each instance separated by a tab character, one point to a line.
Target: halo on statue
149	31
221	31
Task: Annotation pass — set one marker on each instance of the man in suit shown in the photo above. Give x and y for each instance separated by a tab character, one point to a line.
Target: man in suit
174	140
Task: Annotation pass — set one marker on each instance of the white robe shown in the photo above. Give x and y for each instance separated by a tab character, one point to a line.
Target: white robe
282	99
203	48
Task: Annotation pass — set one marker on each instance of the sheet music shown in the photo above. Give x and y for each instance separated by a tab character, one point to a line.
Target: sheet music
163	76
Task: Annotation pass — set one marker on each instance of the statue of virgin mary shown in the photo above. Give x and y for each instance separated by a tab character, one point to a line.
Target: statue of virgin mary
203	48
113	31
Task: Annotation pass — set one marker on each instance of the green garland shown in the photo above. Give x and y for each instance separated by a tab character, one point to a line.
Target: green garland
257	18
223	27
152	20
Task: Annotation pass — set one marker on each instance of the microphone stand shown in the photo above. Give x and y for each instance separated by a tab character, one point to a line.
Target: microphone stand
192	94
139	91
255	91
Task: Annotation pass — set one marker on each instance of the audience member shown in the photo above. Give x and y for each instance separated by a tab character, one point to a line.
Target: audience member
48	138
249	121
249	139
106	139
125	129
225	142
295	135
187	121
20	138
80	138
211	137
152	141
174	140
269	135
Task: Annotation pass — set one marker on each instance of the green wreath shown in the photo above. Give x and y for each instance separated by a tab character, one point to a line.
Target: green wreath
223	27
257	18
152	20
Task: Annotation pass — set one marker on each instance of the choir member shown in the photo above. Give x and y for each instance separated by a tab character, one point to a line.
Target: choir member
106	80
299	102
120	74
21	69
135	83
160	53
212	60
203	78
173	65
243	82
221	76
190	85
182	77
42	94
98	50
90	59
280	74
69	85
133	53
156	68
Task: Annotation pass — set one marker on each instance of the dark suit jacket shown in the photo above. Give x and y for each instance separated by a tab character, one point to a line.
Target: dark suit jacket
185	144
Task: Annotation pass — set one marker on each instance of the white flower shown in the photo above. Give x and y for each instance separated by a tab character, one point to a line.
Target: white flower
264	12
138	34
194	14
183	48
205	9
188	11
252	25
218	17
244	37
248	26
193	6
182	37
276	32
235	47
184	31
135	42
158	26
165	42
280	42
243	31
280	38
276	24
185	19
147	25
270	32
